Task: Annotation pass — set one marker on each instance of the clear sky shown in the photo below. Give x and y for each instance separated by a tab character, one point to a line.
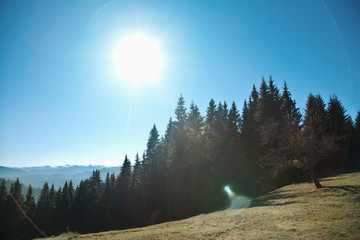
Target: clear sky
61	101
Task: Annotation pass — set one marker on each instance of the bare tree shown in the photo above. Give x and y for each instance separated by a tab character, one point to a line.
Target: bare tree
291	145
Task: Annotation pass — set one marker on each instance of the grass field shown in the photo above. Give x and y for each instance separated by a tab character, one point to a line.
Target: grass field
296	211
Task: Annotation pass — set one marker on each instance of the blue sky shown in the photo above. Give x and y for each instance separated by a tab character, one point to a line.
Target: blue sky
62	103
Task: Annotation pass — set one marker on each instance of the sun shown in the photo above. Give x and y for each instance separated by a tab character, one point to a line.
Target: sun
138	59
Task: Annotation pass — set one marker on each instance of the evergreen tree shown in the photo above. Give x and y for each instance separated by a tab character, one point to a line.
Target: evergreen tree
180	113
53	198
152	145
108	200
262	109
339	124
354	161
58	221
316	143
82	207
96	220
15	217
195	123
15	191
288	106
64	207
357	122
43	210
71	193
122	194
30	231
5	224
210	122
249	125
136	193
30	204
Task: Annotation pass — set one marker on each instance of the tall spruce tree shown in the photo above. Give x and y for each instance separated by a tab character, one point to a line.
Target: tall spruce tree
357	122
44	211
137	194
318	143
5	224
30	205
339	124
123	194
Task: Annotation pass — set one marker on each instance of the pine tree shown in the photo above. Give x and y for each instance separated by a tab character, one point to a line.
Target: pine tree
52	197
262	109
152	145
194	131
15	191
65	207
339	124
30	204
355	142
210	122
135	185
5	224
122	194
357	122
275	102
43	210
180	113
29	207
195	123
71	193
108	206
82	207
15	202
136	192
249	125
318	145
3	193
338	121
288	106
233	123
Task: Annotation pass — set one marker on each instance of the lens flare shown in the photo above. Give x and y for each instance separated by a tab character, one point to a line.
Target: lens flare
237	201
240	202
228	191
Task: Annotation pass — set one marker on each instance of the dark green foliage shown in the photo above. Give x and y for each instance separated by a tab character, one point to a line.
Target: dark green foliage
340	126
354	158
183	173
180	113
44	210
122	195
4	212
30	204
15	218
357	122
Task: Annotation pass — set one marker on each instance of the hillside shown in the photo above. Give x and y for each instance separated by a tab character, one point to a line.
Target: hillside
293	212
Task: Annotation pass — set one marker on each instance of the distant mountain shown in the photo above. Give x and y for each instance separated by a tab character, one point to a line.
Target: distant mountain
37	176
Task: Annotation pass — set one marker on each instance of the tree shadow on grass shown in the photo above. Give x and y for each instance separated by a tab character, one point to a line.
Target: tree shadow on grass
346	188
277	198
327	179
269	203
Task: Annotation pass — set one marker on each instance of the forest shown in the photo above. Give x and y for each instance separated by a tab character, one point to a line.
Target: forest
267	144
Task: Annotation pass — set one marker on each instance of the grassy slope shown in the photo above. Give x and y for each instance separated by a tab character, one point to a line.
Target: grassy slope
292	212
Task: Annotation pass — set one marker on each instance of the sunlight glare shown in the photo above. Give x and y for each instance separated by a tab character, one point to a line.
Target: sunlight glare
138	59
228	191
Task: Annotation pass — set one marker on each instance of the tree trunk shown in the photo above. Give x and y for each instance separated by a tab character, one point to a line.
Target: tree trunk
314	178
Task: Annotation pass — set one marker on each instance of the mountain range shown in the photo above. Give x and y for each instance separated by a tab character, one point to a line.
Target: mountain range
57	175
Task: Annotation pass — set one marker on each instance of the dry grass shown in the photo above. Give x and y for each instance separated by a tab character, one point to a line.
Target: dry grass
293	212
